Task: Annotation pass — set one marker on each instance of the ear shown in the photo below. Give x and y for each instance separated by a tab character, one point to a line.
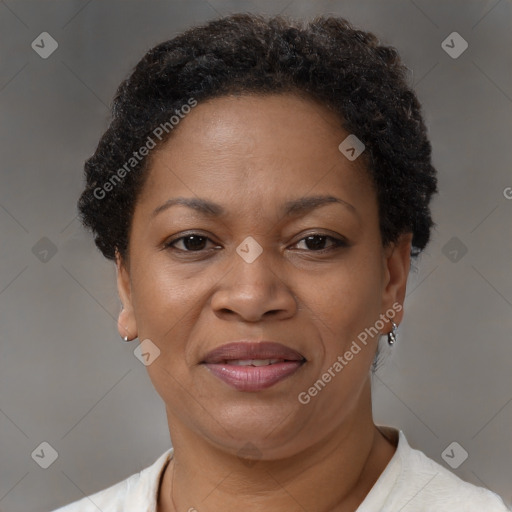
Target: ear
126	324
397	261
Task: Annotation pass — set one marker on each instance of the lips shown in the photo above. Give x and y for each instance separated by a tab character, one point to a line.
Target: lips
247	350
248	366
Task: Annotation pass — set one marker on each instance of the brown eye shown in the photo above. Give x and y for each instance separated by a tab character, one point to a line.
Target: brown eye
192	242
316	242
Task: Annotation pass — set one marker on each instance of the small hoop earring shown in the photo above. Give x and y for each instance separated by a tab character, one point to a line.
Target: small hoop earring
392	334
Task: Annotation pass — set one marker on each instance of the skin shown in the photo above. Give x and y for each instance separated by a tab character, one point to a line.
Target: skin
251	154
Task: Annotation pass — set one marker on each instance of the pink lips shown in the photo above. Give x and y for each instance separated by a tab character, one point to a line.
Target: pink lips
250	366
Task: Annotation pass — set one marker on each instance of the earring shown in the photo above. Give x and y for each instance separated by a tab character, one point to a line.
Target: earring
125	338
392	334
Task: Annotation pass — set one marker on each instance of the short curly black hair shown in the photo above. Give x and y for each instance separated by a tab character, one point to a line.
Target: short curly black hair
326	59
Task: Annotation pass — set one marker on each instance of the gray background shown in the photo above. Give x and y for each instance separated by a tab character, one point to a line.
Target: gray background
66	377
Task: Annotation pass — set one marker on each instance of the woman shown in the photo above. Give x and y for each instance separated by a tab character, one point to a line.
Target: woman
295	157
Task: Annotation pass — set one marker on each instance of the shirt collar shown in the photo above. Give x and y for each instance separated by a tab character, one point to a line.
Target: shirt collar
142	495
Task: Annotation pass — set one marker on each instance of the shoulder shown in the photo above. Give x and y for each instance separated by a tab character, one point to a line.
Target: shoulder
137	492
424	485
107	500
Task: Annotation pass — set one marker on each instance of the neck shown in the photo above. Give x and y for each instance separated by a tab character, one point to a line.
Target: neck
334	474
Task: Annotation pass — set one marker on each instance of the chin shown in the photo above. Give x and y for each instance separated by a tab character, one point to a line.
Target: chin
272	429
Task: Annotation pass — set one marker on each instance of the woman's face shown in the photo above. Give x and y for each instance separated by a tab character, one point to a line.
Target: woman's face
250	273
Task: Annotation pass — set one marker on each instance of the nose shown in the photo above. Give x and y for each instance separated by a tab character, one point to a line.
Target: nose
254	291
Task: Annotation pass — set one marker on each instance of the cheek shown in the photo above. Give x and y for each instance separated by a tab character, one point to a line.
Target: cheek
348	299
164	300
167	308
345	309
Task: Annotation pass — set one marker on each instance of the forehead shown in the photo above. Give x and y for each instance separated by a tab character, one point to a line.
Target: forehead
254	147
248	124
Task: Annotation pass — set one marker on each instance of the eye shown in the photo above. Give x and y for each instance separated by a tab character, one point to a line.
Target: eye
196	242
192	242
315	242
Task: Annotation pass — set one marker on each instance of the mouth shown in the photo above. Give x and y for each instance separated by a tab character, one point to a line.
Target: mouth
248	366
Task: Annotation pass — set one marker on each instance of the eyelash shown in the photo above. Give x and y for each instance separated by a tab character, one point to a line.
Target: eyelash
338	243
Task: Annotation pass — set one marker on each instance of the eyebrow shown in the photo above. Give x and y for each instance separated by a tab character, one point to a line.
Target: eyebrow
293	208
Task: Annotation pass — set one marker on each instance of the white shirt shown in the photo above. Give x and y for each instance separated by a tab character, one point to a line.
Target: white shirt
411	482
